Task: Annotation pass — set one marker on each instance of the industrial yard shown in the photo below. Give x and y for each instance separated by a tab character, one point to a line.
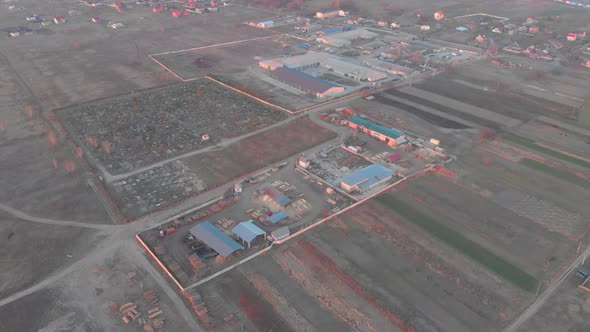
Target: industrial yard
246	165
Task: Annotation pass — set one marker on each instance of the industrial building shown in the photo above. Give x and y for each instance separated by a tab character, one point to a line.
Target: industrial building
215	239
324	14
388	66
275	218
305	82
386	134
345	38
302	62
247	231
353	71
366	178
274	194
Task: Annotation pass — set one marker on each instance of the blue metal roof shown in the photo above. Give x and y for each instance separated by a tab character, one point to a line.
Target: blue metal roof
283	200
275	218
267	22
215	238
247	231
303	80
368	176
331	30
389	132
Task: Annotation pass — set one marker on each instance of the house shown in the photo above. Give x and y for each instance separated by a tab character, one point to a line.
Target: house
386	134
395	25
59	19
382	23
305	82
96	19
586	63
572	37
534	29
480	38
425	28
462	29
266	24
303	162
580	34
394	158
366	178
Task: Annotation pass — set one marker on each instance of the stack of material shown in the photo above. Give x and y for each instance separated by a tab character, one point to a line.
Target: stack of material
225	223
198	305
129	310
196	262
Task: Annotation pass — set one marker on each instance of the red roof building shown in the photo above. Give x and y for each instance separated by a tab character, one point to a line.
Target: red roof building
59	19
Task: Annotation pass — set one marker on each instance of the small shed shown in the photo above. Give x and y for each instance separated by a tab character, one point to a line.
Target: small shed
280	233
394	157
247	231
462	29
215	239
275	218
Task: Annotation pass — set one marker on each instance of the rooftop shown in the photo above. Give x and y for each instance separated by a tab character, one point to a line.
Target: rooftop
275	218
247	231
387	131
215	238
368	176
303	80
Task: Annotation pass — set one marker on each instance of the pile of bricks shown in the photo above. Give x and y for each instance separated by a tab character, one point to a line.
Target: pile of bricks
129	311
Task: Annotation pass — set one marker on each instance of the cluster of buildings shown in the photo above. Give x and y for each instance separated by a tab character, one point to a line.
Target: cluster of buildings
301	72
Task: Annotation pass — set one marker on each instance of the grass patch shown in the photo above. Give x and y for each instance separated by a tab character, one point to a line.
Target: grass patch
550	152
584	115
564	175
483	256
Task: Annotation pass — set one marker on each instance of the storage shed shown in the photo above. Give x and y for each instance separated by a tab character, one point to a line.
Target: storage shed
275	218
247	231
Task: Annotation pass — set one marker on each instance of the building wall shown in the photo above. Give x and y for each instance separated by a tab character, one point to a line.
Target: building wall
389	140
332	91
323	15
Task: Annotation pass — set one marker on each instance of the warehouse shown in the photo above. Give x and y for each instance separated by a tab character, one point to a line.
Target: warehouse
345	38
247	231
324	14
366	178
305	61
389	135
305	82
215	239
353	71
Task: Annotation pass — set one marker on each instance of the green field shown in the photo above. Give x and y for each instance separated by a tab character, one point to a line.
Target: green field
483	256
584	115
517	140
564	175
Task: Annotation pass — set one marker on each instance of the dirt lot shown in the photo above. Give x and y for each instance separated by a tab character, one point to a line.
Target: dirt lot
139	129
88	300
23	243
224	59
257	151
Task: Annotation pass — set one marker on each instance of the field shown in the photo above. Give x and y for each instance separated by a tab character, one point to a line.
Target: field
255	152
523	142
225	59
142	128
584	115
370	269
